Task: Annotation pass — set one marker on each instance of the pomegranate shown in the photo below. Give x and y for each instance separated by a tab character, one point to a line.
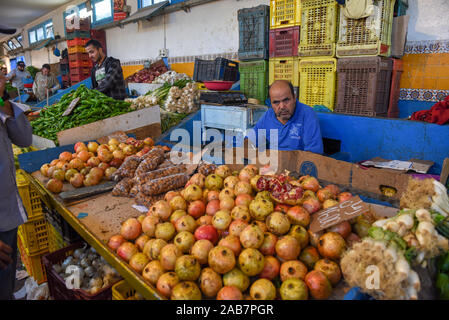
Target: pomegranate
225	193
109	172
330	269
351	239
300	234
138	262
77	180
97	173
227	203
241	212
44	169
93	162
166	283
262	289
331	245
140	218
65	156
236	278
309	256
263	195
156	247
324	194
192	193
229	293
223	171
54	162
312	205
200	250
314	237
237	226
282	208
232	242
210	282
230	182
152	271
246	174
271	268
318	284
252	237
76	163
198	179
165	231
253	182
293	269
261	225
126	250
162	209
344	196
278	223
184	241
243	187
103	166
251	261
260	209
213	182
333	189
170	195
186	223
221	220
83	155
176	215
269	244
187	268
287	248
212	207
343	228
329	203
59	174
115	241
243	199
299	216
204	220
147	248
196	208
168	256
213	195
69	174
178	203
149	225
141	241
294	289
207	232
221	259
80	146
310	183
131	229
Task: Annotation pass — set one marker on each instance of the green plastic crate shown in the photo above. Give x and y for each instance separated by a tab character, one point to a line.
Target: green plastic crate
254	79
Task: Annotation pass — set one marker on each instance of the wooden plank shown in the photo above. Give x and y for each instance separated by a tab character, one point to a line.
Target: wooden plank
444	171
85	192
125	122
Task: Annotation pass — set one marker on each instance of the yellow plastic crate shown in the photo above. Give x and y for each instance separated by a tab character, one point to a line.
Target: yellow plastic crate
30	197
284	69
319	28
76	49
318	81
55	240
34	234
369	36
122	291
33	263
285	13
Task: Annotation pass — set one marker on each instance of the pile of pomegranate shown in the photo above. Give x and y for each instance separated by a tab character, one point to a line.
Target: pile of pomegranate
90	164
231	237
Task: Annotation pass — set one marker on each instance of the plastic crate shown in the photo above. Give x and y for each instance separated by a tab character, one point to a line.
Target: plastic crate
65	78
83	26
77	42
319	28
78	34
33	263
284	42
285	13
393	110
284	69
254	79
79	71
400	8
253	32
364	86
218	69
56	284
317	81
79	56
74	79
55	239
122	291
34	234
369	36
69	235
81	63
76	49
30	197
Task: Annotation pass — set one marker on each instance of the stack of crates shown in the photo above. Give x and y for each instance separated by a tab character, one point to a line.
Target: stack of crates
365	85
79	61
285	24
65	71
253	51
316	51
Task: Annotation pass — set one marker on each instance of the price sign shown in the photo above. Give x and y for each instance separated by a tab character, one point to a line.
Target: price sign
71	106
334	215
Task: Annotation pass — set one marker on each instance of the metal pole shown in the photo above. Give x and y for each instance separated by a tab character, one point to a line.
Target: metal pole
47	97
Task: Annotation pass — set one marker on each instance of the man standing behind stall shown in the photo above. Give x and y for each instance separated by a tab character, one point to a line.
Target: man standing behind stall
45	81
17	76
107	74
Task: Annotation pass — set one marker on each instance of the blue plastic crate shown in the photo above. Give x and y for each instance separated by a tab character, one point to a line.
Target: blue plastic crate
254	28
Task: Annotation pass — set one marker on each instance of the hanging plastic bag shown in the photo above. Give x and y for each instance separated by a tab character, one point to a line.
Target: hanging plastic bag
358	9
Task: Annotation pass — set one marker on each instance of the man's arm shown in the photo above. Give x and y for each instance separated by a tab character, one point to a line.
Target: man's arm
35	85
56	86
17	125
11	75
110	78
313	140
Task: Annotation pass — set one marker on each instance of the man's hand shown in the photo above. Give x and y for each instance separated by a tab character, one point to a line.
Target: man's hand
5	252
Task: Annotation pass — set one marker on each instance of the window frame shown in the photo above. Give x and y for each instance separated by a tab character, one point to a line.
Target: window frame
36	28
109	19
139	3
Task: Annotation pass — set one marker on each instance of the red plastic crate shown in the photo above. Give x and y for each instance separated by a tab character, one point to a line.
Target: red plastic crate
65	77
284	42
81	71
77	42
78	56
393	110
56	284
81	63
78	78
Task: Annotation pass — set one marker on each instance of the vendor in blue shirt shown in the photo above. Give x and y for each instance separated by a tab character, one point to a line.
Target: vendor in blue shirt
296	123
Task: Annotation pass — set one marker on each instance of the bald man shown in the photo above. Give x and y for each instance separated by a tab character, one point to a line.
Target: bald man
297	124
